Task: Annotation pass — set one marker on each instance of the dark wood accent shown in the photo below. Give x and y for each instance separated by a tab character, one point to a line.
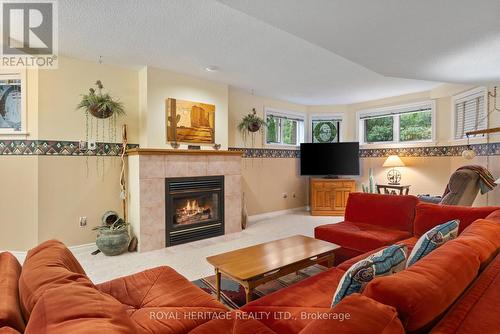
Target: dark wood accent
256	265
328	197
393	189
481	132
157	151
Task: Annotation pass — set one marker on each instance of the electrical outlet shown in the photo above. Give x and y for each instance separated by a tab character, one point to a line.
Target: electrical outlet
285	195
82	145
294	195
83	221
92	145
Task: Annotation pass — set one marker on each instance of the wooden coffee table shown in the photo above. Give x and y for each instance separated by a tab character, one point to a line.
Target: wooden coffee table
256	265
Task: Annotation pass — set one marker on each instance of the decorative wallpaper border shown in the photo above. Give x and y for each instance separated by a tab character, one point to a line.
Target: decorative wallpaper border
58	148
71	148
266	152
427	151
432	151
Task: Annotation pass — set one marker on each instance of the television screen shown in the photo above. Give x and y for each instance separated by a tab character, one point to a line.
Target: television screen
329	159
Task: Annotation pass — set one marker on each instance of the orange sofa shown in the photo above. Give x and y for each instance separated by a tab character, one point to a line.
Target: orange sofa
452	290
452	276
52	294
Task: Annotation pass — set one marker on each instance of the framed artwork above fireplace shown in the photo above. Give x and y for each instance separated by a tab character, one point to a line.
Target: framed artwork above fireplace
190	122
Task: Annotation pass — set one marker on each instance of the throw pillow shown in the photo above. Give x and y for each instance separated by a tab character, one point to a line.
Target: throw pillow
432	239
385	262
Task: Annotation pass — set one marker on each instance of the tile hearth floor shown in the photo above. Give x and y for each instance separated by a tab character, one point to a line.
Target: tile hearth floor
189	259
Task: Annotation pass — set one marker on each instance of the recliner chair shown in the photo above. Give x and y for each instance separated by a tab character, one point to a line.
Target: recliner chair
463	188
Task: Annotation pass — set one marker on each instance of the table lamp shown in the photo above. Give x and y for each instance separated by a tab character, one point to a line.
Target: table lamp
393	175
497	181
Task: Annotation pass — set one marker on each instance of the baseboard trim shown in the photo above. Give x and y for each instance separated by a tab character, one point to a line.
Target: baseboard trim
21	255
272	214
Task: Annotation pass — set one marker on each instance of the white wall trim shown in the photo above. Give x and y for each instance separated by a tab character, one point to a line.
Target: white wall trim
272	214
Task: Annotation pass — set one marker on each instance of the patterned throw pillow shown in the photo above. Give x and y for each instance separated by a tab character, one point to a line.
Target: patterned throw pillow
432	239
383	263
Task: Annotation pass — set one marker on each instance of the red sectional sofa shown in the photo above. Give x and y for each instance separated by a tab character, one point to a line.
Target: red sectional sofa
454	289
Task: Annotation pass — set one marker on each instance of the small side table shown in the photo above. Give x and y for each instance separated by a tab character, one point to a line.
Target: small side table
393	189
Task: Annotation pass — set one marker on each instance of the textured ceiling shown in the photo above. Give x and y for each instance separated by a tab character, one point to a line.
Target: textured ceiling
279	60
441	40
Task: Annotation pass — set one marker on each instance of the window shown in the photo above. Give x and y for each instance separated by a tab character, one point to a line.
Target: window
469	111
325	129
284	128
12	103
399	124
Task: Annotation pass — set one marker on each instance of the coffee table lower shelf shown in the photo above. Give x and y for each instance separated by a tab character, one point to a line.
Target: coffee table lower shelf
251	283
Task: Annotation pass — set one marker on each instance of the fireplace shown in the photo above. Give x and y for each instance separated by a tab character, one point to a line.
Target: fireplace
194	208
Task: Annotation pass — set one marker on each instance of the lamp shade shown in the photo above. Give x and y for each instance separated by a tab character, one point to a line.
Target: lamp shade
497	181
393	161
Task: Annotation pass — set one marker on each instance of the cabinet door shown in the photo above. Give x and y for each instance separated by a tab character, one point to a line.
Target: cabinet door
323	198
340	196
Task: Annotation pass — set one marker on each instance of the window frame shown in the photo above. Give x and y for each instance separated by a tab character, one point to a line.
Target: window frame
396	142
286	114
326	117
454	99
21	75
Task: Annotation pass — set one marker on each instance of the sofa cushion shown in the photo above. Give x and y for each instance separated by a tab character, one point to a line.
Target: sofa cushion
236	323
425	290
409	243
429	215
10	312
382	263
478	310
433	239
76	308
160	291
360	237
365	316
495	216
483	236
392	212
49	265
309	296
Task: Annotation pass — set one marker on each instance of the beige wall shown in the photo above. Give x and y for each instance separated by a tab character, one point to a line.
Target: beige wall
49	193
18	202
265	180
161	85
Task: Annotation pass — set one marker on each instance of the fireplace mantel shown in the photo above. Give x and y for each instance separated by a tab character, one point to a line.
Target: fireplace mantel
147	170
159	151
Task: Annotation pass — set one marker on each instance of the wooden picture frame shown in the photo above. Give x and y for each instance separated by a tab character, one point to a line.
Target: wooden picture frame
189	121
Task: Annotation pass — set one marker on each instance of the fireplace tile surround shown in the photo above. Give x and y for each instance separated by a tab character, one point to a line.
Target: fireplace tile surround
147	170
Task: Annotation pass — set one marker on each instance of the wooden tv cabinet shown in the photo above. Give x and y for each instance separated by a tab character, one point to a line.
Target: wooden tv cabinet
328	197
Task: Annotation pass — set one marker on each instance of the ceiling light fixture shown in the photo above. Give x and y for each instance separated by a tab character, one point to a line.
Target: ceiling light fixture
211	68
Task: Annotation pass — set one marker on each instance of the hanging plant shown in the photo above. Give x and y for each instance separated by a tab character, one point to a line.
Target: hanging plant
101	110
100	105
251	124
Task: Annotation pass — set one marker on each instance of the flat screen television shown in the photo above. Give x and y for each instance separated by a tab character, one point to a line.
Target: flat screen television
329	159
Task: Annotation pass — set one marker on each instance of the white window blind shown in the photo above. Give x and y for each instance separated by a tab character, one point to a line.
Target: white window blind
470	112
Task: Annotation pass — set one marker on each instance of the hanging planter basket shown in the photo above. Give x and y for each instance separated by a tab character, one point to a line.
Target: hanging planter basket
100	105
251	124
100	113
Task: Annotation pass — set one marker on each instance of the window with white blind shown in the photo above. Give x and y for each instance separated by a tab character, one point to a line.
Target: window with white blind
284	128
410	123
470	112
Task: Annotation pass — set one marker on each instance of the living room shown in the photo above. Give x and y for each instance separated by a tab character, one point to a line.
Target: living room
316	136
